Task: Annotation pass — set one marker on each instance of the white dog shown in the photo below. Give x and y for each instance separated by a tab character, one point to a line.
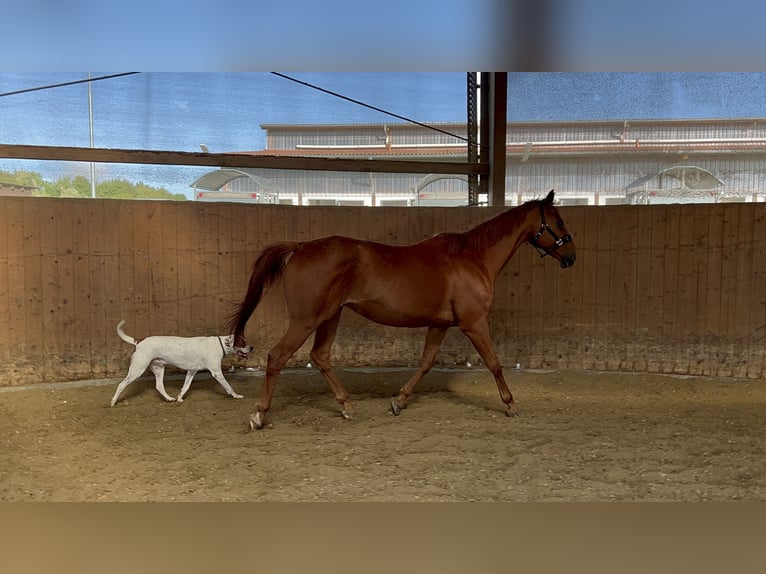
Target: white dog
193	354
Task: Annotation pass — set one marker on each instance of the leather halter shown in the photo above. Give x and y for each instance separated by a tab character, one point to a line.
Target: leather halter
557	241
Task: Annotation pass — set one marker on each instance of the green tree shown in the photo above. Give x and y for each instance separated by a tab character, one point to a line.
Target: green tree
122	189
79	186
19	177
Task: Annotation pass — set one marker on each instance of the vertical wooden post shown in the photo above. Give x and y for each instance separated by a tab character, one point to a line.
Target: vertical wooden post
498	102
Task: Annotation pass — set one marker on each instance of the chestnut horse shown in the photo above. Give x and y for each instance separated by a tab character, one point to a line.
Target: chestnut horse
444	281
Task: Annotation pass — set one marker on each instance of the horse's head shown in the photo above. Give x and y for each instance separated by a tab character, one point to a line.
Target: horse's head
552	237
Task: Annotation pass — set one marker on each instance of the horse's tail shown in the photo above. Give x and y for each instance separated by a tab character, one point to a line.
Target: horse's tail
123	336
267	269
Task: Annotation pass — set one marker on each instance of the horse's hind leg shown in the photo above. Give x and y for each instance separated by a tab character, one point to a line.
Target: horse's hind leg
434	339
478	333
320	357
278	356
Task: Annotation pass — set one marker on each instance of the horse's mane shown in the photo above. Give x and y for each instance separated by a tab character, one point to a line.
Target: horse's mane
487	233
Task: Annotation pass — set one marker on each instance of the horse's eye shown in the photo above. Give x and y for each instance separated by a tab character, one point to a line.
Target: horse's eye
560	223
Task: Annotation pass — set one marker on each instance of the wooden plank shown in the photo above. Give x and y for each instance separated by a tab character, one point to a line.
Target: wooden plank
83	317
99	288
33	308
377	228
570	311
713	288
209	248
640	331
260	235
168	267
549	273
686	292
506	313
630	286
422	225
110	249
129	300
73	257
238	272
66	295
529	305
14	231
675	351
756	358
611	266
226	247
153	228
239	160
613	297
185	229
601	287
592	236
197	278
728	289
743	318
6	307
656	292
365	220
699	253
50	287
142	326
313	225
22	364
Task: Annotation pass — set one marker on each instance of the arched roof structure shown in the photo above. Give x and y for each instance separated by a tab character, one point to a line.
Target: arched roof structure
215	180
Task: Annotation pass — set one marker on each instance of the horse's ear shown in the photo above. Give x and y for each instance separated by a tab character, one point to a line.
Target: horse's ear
549	199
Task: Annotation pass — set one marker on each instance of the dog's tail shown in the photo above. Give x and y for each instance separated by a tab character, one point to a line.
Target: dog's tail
267	269
123	336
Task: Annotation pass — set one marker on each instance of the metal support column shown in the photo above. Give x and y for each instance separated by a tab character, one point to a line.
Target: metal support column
473	134
484	123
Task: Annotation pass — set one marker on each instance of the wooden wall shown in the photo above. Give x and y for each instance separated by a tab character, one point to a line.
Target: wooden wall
676	289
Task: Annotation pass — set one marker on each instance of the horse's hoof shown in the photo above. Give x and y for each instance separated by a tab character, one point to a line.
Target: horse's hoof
513	411
255	422
395	408
347	415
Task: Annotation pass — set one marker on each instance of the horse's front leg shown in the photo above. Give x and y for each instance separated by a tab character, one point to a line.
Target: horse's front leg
478	334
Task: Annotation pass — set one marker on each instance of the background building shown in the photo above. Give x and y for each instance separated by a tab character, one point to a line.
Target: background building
586	162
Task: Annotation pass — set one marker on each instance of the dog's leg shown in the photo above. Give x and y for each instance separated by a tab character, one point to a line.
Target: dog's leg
159	372
218	376
187	384
121	387
134	372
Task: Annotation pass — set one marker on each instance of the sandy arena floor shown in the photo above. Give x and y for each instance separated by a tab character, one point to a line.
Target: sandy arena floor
583	437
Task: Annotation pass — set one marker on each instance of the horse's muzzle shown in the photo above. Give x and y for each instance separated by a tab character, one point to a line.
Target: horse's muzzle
568	260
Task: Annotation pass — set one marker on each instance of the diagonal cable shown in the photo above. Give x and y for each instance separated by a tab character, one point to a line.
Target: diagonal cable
50	86
360	103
